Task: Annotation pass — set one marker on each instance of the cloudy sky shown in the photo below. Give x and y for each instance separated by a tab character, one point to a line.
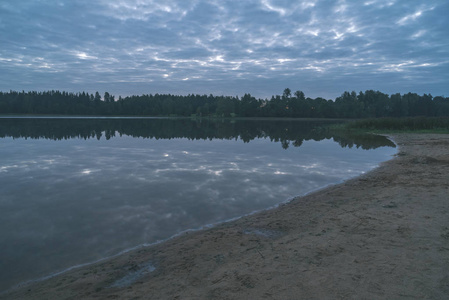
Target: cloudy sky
225	47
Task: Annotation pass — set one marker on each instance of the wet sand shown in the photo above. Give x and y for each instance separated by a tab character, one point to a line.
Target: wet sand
384	235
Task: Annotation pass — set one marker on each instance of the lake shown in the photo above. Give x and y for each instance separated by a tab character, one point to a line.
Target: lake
75	190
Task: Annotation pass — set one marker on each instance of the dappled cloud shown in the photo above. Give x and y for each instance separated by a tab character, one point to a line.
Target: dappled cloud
224	47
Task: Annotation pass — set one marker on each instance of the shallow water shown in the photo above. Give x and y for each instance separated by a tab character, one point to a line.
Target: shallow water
74	191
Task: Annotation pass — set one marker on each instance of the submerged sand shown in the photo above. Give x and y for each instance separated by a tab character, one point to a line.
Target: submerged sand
384	235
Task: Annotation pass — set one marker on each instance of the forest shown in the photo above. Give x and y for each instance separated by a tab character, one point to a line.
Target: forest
368	104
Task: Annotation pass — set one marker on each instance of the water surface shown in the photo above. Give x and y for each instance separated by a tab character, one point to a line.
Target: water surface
76	190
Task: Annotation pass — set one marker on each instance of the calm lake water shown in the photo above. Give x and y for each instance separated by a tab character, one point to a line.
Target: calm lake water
73	191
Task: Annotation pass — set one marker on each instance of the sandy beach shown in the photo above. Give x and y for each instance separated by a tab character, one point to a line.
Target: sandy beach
384	235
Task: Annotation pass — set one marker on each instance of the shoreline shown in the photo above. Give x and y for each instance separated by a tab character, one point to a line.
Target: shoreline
367	237
192	230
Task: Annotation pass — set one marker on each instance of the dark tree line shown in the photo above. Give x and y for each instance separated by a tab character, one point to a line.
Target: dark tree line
368	104
286	132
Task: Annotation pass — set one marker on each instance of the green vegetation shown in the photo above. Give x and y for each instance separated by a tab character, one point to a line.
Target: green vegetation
411	124
368	104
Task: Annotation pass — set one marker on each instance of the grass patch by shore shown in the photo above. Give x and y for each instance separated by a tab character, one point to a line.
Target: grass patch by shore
386	125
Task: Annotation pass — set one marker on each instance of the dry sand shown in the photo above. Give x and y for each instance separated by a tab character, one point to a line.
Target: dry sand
384	235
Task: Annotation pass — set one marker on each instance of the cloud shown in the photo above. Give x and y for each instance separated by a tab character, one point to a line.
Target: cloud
229	47
414	16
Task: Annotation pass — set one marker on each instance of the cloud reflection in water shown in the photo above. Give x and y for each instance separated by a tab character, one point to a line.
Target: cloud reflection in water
73	201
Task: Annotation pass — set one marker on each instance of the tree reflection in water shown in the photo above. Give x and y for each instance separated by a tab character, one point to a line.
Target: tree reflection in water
286	132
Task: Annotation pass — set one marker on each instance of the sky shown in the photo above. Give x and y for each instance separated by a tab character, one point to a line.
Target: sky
223	47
